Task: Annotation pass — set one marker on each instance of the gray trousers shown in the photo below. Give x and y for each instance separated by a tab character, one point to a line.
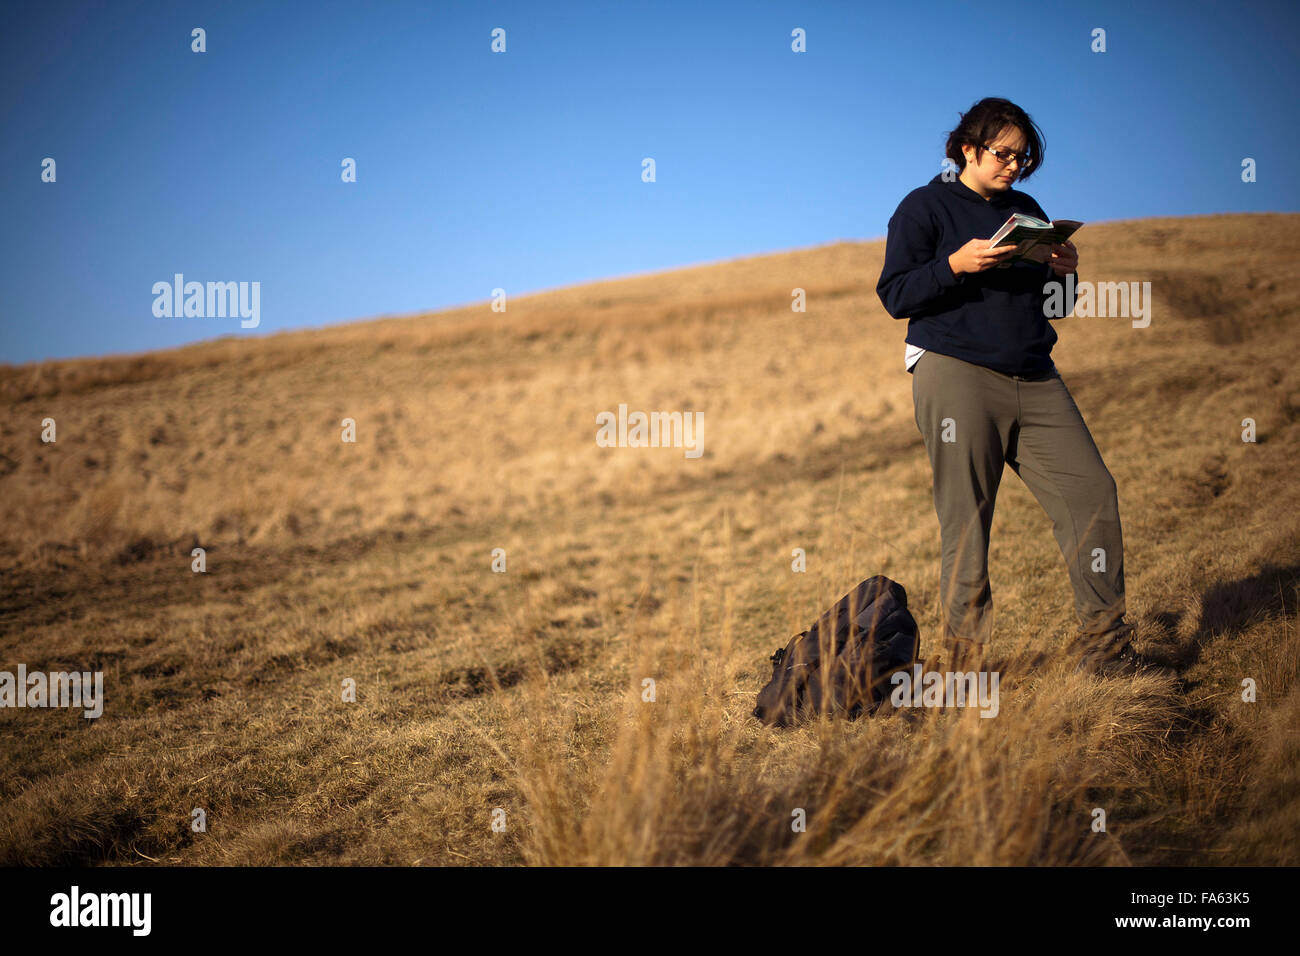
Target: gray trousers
973	420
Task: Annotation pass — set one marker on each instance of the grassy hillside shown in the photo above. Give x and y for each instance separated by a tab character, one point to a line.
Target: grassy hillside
522	690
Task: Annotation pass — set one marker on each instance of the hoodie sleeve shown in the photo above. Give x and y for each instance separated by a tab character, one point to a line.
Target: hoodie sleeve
913	277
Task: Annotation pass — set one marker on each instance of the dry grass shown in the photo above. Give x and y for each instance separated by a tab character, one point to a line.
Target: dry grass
523	690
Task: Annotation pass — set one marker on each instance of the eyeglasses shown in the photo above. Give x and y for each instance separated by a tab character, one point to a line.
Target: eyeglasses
1004	156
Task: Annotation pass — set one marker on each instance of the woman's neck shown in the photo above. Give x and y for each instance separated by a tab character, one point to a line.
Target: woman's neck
973	188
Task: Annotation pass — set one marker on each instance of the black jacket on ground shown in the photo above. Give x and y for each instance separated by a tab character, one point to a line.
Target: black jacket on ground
993	318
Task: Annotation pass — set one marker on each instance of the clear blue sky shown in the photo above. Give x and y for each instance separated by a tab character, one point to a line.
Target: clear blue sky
523	170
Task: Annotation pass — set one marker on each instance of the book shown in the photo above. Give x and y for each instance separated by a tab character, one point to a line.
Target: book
1034	238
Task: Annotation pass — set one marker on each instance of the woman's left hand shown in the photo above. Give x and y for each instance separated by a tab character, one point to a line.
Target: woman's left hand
1065	258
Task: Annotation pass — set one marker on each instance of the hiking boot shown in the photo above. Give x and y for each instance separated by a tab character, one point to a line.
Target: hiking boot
1124	662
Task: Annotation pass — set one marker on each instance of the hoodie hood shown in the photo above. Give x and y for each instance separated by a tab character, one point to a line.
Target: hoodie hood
959	188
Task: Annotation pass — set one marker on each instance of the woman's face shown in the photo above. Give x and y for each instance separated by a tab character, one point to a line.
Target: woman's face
983	172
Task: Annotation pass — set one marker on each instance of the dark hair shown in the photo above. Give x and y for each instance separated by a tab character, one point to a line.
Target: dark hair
984	121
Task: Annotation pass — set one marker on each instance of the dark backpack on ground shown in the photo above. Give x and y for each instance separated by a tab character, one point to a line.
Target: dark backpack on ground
843	662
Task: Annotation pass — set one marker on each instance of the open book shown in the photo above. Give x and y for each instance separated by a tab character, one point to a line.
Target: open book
1033	237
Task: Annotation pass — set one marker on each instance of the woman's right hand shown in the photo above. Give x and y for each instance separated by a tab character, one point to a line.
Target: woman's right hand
976	256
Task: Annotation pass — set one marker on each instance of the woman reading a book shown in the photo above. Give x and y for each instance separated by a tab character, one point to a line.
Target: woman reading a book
986	391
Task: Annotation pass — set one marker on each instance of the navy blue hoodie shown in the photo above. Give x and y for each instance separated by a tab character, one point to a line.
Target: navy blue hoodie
993	318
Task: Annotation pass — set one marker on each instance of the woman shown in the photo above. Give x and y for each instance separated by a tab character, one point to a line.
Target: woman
986	390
